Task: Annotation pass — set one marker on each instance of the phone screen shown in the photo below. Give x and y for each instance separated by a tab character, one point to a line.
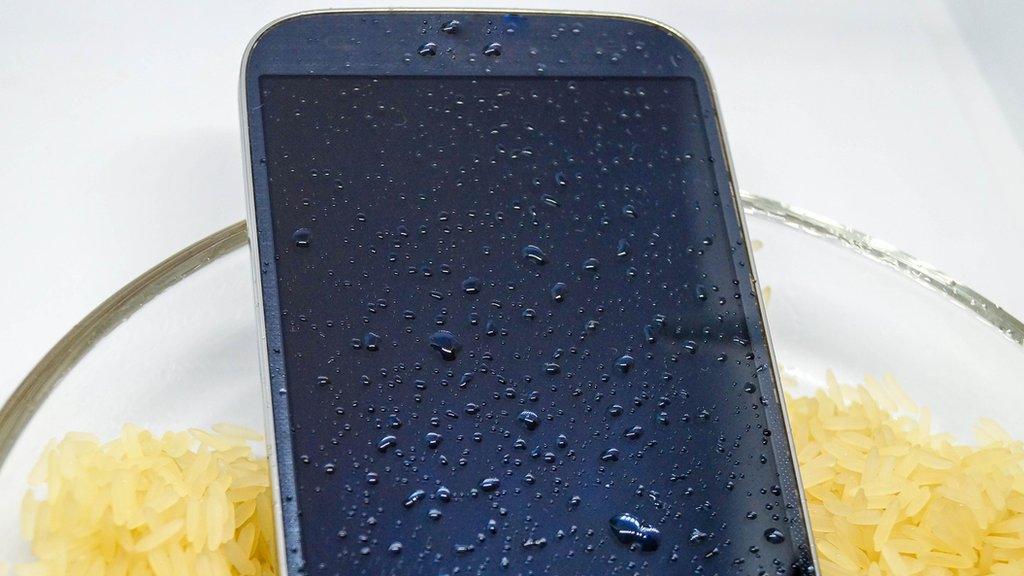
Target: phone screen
513	330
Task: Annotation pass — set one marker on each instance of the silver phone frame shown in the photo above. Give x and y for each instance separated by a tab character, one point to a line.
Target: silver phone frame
271	444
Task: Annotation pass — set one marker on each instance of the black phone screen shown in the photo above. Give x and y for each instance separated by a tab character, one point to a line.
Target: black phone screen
513	329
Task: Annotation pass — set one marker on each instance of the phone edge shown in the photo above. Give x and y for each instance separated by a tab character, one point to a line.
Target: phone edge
271	433
269	428
754	281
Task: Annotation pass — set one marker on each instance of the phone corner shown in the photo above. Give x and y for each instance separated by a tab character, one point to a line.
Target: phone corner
265	32
667	30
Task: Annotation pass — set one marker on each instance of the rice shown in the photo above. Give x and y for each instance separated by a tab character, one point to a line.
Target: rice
182	503
888	496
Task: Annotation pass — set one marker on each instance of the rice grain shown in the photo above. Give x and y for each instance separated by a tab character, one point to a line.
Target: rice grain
179	504
888	496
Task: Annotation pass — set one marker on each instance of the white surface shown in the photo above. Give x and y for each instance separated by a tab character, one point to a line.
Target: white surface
119	133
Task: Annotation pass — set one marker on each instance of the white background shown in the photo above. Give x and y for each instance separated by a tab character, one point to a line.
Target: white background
119	140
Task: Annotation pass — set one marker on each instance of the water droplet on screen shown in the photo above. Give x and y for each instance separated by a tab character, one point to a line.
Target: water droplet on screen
701	292
492	49
428	49
535	254
386	443
610	455
774	536
446	344
625	363
371	342
490	484
450	27
631	531
591	264
471	285
558	291
413	498
529	419
302	237
623	248
434	439
634	432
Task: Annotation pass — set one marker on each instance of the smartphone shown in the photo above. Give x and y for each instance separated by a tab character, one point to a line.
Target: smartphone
509	319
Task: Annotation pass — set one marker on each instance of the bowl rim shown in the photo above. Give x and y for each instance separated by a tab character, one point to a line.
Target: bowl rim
46	375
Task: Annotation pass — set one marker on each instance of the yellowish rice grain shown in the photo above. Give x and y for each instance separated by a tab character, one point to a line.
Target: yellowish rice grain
193	503
889	497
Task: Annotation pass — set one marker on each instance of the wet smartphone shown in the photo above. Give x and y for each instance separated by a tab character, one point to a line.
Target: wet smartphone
510	323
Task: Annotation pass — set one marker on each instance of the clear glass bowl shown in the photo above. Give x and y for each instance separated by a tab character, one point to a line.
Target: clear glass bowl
176	348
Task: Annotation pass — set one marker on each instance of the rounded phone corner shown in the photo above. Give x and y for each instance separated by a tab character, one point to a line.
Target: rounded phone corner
690	50
268	30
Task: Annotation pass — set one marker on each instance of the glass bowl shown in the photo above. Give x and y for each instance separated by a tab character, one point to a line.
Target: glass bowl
176	348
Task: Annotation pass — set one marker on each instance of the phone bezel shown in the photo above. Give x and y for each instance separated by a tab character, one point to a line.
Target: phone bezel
300	44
